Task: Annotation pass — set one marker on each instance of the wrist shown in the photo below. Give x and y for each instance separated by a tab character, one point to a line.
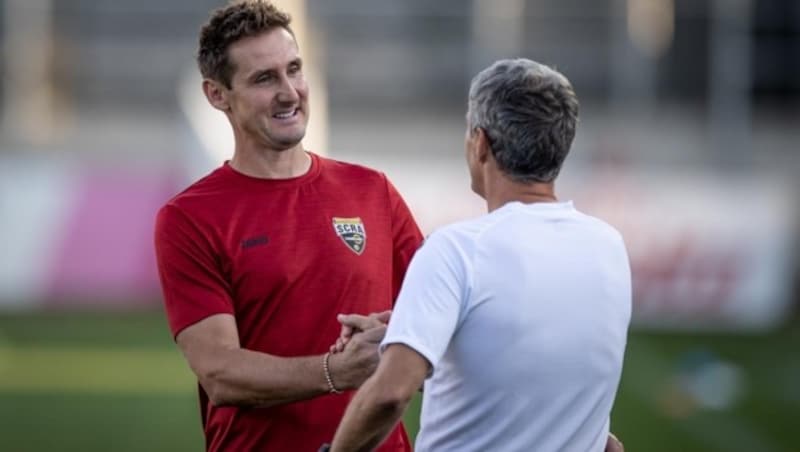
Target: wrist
330	382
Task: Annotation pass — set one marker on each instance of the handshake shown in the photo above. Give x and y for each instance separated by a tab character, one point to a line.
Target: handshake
372	326
354	355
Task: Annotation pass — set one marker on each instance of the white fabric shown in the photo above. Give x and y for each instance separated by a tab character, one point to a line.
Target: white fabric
523	315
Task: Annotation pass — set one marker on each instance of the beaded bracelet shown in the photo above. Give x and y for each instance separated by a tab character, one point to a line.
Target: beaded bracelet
327	369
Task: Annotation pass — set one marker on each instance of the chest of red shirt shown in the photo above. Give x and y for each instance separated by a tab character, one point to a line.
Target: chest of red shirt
296	258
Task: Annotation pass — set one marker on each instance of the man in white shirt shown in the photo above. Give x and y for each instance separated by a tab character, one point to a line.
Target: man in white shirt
515	321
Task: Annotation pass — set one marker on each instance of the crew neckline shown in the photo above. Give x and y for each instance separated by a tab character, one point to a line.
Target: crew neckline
553	205
312	173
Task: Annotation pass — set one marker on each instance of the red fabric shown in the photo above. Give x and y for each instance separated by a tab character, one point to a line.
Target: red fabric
267	252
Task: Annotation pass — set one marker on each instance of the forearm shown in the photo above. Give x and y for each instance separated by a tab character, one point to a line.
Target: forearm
382	400
232	375
369	418
248	378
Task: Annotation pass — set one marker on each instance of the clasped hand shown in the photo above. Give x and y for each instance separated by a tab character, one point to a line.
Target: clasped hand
372	327
354	356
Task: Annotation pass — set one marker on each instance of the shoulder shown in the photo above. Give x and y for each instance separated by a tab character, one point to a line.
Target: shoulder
459	238
211	185
341	168
347	171
599	226
216	184
470	230
196	198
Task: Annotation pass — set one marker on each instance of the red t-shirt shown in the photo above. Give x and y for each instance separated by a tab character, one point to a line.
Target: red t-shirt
284	257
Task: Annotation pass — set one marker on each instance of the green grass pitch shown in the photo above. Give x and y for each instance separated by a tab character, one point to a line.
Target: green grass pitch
115	381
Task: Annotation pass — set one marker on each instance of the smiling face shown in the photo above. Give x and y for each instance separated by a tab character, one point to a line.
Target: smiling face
267	102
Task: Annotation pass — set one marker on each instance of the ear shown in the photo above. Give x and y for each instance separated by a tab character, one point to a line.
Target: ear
482	149
216	94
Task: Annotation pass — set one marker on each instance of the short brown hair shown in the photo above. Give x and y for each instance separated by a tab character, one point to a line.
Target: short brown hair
227	25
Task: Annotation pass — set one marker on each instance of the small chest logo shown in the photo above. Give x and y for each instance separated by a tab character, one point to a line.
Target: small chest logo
254	241
352	233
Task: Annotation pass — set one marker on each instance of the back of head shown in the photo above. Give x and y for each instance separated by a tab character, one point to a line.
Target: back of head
529	113
238	20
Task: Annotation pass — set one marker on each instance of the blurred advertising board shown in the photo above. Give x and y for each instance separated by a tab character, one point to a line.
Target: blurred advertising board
709	251
712	251
79	235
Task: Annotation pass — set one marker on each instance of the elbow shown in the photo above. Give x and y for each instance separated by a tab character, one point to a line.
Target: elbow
219	392
222	391
220	397
392	401
390	395
390	408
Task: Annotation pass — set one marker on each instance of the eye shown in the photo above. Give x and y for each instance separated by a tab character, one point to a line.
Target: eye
294	68
265	77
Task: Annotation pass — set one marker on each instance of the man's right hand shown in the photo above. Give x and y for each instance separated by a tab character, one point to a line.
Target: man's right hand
354	323
358	360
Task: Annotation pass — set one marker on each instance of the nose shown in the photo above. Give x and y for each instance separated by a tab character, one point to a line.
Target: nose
287	92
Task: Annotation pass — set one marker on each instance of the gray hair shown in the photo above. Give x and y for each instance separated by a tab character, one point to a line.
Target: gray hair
529	113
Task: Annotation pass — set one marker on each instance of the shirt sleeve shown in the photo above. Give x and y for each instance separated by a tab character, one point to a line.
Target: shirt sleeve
406	237
432	299
191	280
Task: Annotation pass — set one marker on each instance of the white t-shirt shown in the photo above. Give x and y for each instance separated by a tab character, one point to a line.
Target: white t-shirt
523	315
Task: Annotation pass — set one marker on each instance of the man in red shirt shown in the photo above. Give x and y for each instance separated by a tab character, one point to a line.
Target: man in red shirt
257	258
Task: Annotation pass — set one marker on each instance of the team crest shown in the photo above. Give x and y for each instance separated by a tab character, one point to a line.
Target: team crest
352	233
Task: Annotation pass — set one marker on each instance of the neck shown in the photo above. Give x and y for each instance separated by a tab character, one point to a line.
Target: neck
502	191
271	164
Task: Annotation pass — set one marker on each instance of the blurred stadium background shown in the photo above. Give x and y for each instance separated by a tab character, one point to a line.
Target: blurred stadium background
689	143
